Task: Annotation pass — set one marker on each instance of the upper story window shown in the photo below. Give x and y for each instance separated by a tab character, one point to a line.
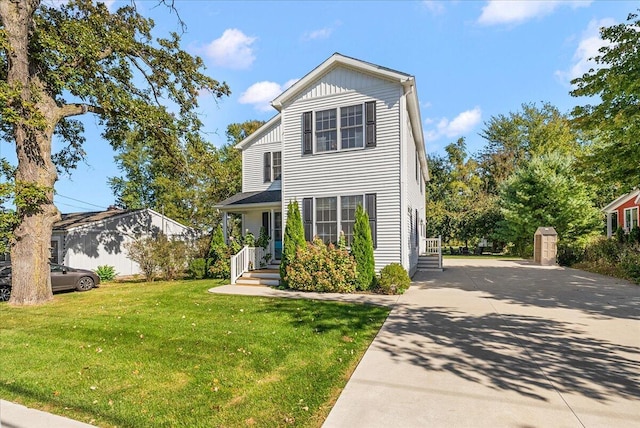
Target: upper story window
356	129
277	165
326	131
272	166
351	130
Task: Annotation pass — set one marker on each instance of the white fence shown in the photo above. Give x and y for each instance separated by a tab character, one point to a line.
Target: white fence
249	258
433	246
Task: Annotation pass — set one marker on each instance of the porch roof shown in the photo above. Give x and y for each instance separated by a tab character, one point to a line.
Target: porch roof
251	199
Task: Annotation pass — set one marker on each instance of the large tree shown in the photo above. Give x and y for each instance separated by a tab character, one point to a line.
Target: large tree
614	120
183	183
78	58
513	139
546	192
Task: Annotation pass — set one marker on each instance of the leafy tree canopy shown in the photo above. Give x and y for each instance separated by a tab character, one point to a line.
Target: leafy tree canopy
546	192
614	121
76	58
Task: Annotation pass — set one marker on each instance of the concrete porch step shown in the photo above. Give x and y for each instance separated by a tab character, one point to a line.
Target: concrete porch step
258	282
262	273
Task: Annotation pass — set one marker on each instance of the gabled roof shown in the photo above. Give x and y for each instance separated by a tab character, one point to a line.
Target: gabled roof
258	133
76	220
334	61
623	200
338	60
73	220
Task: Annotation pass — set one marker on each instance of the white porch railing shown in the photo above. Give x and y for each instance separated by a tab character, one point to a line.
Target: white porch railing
248	258
433	246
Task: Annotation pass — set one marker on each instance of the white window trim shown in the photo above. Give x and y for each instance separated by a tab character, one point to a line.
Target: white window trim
338	209
339	148
273	173
628	227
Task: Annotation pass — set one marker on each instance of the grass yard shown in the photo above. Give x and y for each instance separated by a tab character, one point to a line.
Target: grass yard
168	354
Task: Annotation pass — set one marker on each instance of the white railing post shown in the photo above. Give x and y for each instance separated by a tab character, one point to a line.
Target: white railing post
248	258
440	251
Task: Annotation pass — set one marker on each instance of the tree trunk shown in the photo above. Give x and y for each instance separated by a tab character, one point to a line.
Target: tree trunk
30	249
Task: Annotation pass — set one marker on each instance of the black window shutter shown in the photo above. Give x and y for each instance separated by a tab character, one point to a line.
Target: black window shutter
307	218
267	167
265	221
370	117
370	208
307	133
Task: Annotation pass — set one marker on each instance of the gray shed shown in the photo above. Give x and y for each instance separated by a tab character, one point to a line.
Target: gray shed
545	246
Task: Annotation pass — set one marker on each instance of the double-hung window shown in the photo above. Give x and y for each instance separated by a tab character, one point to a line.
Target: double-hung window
342	128
326	131
348	206
272	166
327	219
335	214
630	218
351	130
277	165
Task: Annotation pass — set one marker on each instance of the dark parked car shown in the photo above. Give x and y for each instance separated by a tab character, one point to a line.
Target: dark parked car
62	278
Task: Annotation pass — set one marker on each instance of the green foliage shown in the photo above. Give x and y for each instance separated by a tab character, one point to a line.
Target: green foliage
613	123
342	241
219	257
141	252
292	240
170	255
159	255
362	250
620	235
546	193
263	242
106	272
321	268
249	239
394	279
609	256
197	268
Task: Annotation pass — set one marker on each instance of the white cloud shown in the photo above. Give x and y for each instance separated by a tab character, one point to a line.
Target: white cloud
518	11
232	50
323	33
461	124
588	47
261	94
434	6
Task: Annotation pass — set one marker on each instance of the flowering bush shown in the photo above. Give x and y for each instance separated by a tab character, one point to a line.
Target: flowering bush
317	267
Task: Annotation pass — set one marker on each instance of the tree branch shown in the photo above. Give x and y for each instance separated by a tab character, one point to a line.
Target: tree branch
68	110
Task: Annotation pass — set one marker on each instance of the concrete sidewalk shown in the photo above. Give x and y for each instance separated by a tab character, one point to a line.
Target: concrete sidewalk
16	416
491	343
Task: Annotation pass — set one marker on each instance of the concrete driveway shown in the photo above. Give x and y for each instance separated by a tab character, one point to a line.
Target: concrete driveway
491	343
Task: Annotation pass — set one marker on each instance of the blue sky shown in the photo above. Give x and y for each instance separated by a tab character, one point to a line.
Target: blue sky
472	60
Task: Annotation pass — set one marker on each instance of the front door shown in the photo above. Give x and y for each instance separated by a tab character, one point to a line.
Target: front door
277	235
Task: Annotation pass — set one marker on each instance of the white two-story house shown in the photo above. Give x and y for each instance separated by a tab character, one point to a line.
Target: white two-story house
347	133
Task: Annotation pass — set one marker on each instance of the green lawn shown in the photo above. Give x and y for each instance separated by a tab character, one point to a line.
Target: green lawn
173	355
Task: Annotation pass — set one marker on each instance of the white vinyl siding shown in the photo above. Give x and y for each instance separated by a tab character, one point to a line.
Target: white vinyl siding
415	208
253	166
352	172
267	139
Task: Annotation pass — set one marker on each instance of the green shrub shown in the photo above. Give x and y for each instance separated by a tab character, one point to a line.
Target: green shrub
568	255
362	250
292	240
249	239
603	251
141	252
106	273
197	268
317	267
394	279
620	235
630	262
634	235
